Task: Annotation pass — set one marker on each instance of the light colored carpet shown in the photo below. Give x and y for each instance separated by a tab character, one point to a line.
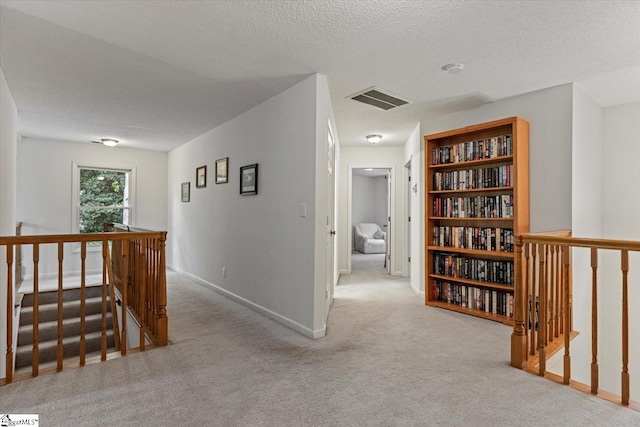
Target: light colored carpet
367	263
387	361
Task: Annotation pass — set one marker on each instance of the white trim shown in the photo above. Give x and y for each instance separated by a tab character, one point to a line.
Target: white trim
291	324
394	219
75	202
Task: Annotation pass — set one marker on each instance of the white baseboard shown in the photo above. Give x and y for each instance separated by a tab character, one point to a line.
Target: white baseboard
417	291
343	272
291	324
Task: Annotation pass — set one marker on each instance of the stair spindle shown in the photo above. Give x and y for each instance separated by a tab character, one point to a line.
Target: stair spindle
594	321
542	318
9	359
35	352
83	300
60	349
567	320
625	327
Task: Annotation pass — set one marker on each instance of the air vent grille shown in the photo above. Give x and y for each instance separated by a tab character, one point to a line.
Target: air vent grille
378	98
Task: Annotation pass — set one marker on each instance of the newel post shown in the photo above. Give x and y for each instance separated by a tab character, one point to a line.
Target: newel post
163	326
518	337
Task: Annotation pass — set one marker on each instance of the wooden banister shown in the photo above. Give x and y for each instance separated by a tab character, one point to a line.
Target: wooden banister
544	313
133	264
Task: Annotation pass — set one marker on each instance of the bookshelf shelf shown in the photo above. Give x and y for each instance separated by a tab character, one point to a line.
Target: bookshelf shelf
472	312
475	252
448	218
474	190
494	156
474	163
476	283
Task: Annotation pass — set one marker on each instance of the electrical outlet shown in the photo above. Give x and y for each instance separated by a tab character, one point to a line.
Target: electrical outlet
303	210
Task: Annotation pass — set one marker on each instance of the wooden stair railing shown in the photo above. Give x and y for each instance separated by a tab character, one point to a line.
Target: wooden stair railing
139	268
543	312
153	299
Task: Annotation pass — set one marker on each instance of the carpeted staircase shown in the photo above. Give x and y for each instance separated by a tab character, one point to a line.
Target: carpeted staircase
48	326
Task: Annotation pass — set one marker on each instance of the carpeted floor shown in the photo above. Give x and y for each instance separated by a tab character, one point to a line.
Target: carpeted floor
367	263
387	361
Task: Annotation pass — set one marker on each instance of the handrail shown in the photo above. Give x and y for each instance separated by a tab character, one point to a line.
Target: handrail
153	299
543	312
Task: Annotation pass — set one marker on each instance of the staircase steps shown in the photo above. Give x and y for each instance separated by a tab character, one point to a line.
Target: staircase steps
48	326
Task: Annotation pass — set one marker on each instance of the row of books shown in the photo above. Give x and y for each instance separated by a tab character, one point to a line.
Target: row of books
489	301
499	206
482	238
499	176
473	150
482	270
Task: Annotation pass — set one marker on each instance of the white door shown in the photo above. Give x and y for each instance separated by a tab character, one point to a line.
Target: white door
329	274
389	236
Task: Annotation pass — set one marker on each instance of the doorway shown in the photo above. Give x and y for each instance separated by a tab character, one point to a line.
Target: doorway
371	221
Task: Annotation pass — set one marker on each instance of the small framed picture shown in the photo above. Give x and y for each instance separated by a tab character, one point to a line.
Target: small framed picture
186	191
249	180
222	170
201	177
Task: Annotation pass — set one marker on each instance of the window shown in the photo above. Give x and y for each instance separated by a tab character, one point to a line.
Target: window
102	195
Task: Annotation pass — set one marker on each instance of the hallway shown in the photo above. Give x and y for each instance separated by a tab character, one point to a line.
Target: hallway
387	360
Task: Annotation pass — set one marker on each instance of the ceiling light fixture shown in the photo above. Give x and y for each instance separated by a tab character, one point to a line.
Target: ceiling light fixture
109	142
453	68
368	169
374	139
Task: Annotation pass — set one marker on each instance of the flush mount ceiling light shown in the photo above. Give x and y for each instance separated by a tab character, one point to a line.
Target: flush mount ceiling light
453	68
374	139
109	142
368	169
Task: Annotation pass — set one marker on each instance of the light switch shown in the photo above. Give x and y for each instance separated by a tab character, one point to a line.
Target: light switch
303	210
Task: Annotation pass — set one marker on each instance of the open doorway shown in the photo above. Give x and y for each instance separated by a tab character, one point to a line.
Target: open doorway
370	221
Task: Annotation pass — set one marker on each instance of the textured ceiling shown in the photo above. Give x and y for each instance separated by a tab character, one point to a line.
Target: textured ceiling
157	74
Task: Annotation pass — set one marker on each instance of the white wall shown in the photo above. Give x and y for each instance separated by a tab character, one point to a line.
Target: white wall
620	207
269	251
8	147
369	200
45	193
373	157
380	202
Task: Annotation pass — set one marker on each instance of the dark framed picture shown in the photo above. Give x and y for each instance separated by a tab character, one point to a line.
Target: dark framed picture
201	177
222	170
186	191
249	180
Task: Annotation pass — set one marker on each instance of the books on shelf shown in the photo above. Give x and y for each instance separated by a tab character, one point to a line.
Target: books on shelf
473	150
473	297
473	179
480	238
499	206
481	270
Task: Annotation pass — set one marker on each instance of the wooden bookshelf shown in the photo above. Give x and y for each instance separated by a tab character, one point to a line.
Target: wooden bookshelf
477	198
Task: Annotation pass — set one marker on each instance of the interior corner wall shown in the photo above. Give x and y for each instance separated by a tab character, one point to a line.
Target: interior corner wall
8	148
549	113
264	245
586	222
620	207
45	170
374	157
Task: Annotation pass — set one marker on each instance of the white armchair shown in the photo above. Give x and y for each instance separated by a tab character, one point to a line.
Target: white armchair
370	239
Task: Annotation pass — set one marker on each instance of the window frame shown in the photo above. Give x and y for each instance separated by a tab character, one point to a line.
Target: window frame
75	188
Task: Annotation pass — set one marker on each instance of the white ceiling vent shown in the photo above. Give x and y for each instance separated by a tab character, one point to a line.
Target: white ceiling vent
379	98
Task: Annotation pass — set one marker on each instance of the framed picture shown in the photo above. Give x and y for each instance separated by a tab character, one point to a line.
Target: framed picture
222	170
249	180
186	191
201	177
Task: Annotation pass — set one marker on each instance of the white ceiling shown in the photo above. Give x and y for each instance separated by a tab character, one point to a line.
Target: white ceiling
157	74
